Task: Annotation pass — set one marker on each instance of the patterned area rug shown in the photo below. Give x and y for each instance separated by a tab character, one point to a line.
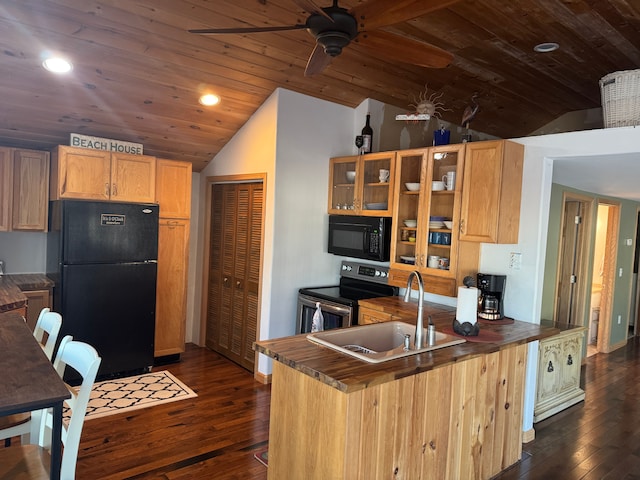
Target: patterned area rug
130	393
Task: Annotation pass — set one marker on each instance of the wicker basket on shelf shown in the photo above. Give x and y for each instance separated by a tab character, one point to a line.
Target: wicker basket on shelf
621	98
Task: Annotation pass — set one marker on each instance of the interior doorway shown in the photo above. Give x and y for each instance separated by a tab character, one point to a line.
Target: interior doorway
571	279
634	314
233	259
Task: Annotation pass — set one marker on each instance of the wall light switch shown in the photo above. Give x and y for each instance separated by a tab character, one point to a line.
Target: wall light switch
515	261
628	242
619	319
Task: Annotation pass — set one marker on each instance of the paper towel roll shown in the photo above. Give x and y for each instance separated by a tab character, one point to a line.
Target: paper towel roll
467	308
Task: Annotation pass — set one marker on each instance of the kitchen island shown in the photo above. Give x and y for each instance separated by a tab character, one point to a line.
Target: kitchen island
452	413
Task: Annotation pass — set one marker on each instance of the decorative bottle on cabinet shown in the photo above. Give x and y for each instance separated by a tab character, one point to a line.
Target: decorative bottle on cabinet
367	136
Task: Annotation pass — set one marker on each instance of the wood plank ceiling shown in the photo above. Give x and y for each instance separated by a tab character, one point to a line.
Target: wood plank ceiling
138	72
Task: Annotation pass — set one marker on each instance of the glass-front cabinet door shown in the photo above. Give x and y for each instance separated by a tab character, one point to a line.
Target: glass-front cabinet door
407	228
442	217
342	185
362	185
427	211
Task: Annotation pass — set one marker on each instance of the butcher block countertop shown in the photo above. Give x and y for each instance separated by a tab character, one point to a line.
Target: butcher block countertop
12	286
349	374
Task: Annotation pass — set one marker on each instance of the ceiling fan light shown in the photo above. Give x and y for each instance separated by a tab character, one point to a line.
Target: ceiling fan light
333	42
546	47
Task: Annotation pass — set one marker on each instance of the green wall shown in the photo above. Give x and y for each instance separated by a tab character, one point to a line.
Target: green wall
624	260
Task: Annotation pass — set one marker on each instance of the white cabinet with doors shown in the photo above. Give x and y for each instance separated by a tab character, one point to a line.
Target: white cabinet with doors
559	362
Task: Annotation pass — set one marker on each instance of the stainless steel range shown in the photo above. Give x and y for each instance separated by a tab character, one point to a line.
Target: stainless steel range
339	303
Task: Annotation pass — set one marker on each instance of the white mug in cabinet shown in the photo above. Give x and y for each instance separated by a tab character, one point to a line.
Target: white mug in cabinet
449	180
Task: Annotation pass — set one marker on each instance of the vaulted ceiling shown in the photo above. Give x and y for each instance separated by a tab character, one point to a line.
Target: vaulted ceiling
138	72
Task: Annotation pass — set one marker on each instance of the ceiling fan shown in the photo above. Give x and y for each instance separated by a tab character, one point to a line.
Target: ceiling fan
335	27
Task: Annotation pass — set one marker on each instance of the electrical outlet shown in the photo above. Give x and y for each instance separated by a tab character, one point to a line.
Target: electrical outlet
629	242
515	261
620	272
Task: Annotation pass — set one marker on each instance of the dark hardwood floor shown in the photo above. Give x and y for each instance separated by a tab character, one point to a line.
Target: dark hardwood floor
215	435
595	439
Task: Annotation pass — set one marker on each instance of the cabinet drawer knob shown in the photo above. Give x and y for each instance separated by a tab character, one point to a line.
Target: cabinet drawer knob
569	360
550	367
114	191
106	189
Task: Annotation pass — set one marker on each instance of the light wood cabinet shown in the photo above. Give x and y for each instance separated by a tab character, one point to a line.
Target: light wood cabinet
366	194
173	194
6	180
173	188
101	175
459	421
367	316
492	191
171	296
24	189
559	362
36	301
412	247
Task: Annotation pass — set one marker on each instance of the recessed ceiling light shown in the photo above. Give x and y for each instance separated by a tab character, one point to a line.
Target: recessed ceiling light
209	99
57	65
546	47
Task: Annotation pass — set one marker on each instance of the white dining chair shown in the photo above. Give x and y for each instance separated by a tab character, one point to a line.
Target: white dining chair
46	333
33	461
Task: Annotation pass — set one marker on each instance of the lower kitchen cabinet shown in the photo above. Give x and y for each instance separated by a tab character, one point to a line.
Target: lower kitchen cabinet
171	299
36	301
559	362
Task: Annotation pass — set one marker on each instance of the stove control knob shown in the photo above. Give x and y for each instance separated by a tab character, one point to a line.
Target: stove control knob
383	274
377	273
348	268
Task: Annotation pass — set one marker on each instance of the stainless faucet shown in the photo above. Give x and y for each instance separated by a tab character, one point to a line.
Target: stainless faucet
419	341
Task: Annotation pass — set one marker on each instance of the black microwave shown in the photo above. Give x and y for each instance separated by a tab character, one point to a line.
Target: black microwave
360	237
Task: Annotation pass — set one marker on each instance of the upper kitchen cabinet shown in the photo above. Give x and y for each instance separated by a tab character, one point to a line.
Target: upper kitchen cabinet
24	189
6	179
491	193
362	184
173	188
427	214
101	175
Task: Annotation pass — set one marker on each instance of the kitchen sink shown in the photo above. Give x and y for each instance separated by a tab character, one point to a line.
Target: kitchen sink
379	342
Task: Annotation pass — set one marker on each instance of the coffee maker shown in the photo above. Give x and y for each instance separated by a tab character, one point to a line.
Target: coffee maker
491	296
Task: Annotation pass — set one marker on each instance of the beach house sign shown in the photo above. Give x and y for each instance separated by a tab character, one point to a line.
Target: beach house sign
97	143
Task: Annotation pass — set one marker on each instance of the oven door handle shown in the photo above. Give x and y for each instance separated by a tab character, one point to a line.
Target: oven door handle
325	306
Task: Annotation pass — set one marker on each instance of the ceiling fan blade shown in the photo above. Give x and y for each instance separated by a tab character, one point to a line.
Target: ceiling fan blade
318	61
220	31
396	48
381	13
310	7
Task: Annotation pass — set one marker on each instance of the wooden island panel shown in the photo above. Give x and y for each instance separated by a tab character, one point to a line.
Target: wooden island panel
462	420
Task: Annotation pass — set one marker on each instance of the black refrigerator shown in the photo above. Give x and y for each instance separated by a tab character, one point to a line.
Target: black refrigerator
102	257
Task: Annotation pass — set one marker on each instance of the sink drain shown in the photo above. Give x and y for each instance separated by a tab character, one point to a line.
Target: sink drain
358	349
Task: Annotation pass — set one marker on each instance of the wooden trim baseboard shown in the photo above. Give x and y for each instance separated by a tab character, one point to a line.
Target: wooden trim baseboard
261	377
529	435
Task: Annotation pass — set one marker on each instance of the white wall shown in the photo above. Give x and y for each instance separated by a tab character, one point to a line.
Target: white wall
523	298
23	252
290	138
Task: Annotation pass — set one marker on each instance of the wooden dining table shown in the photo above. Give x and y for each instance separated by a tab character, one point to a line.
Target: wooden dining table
29	380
